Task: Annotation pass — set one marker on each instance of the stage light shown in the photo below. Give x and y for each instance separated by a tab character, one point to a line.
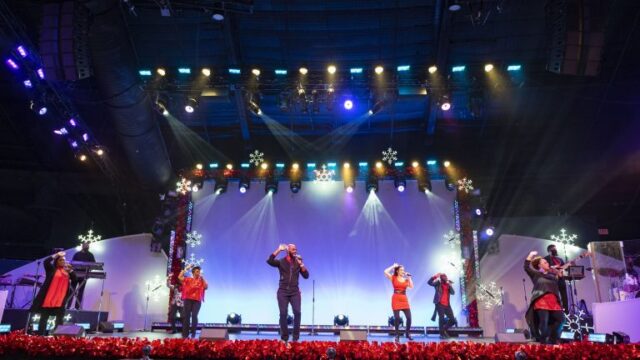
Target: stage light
144	72
454	6
348	104
372	184
217	15
379	70
82	157
346	165
281	72
400	184
213	165
229	166
184	71
488	68
221	185
244	184
295	186
295	166
331	69
255	72
61	131
355	70
206	71
264	166
27	84
402	68
341	320
379	165
279	166
350	189
363	164
433	69
234	319
514	67
331	165
98	150
478	211
415	164
191	105
377	106
253	102
431	162
489	231
398	164
22	51
39	107
446	163
303	70
392	319
449	184
161	71
12	64
85	137
459	68
445	104
271	185
424	184
40	73
245	165
311	165
74	144
199	166
234	71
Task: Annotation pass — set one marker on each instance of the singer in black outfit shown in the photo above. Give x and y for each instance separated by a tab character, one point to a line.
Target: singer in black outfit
442	298
290	268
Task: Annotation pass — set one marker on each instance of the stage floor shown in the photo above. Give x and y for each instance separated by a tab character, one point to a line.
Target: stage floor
159	335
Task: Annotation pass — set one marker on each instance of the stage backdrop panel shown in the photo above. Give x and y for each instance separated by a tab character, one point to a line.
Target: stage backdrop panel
128	264
347	240
506	269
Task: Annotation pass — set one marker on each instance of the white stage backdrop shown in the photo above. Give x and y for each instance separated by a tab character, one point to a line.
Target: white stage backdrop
346	240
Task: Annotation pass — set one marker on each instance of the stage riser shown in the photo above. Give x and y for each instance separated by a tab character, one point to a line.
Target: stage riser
18	317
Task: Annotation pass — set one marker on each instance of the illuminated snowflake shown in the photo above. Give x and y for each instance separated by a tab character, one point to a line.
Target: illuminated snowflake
465	185
256	158
577	323
89	238
67	318
193	238
155	288
192	260
488	294
324	175
452	239
389	155
183	186
563	238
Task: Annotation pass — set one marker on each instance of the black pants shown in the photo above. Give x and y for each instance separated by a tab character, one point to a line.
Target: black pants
396	321
190	313
284	299
174	311
44	317
451	320
549	323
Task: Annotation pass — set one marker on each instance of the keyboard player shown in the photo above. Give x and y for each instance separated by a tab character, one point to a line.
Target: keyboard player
83	255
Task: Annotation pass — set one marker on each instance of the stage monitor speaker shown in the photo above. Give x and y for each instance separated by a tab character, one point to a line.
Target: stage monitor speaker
111	326
69	330
214	334
353	335
620	338
515	337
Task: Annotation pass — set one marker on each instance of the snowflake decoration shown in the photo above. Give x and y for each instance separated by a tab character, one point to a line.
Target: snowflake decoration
67	318
452	239
89	238
183	186
193	239
489	294
324	175
389	155
35	317
577	323
192	261
155	288
465	185
256	158
51	322
563	238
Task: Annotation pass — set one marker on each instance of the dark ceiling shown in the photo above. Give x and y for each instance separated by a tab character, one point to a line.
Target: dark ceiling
536	142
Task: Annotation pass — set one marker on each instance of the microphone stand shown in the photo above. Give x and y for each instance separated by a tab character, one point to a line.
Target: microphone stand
313	307
524	289
504	319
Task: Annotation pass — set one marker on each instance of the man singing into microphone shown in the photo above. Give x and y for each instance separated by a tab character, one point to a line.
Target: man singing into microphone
290	267
443	306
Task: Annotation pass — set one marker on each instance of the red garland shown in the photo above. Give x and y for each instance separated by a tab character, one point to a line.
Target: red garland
19	345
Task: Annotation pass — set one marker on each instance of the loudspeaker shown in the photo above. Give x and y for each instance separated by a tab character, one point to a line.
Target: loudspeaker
620	338
516	337
69	330
353	335
214	334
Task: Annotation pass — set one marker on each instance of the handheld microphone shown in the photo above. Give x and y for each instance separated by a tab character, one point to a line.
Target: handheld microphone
406	273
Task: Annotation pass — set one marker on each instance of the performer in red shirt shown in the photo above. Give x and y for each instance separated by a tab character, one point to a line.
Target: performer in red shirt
192	295
444	290
544	315
401	280
54	294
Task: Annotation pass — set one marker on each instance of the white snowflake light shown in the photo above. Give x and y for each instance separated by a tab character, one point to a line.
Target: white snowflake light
256	158
193	239
564	238
488	294
389	155
577	324
452	239
89	237
324	175
67	318
192	260
465	185
154	288
183	186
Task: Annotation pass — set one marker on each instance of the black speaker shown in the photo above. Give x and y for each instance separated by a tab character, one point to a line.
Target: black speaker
214	334
620	338
516	337
69	330
353	335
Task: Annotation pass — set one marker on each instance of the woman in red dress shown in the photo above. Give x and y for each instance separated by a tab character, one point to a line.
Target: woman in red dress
400	280
544	315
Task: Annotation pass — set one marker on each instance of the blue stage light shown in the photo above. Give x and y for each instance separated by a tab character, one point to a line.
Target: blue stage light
184	70
27	84
355	70
458	68
431	162
40	73
234	71
12	64
245	165
213	166
514	67
404	68
144	72
348	104
279	165
341	320
363	164
22	51
311	165
281	72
